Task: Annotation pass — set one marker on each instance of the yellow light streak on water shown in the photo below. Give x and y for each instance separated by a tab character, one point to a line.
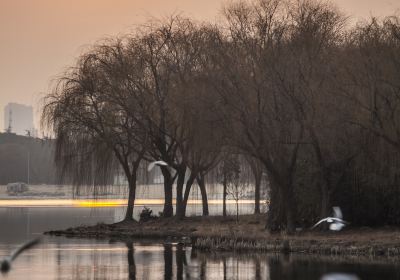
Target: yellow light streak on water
141	248
87	203
87	249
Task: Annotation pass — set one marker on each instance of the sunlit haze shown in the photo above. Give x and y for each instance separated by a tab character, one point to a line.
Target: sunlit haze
40	38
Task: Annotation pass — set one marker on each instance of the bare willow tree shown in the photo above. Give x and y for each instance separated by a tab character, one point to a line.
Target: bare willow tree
205	148
306	74
153	81
258	115
285	84
203	138
90	114
171	87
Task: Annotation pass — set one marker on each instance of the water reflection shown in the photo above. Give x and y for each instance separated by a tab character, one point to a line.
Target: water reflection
60	258
131	261
22	223
168	261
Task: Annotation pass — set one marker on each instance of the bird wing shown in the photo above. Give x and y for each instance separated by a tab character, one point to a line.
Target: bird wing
321	221
337	212
161	163
23	247
154	163
337	220
151	165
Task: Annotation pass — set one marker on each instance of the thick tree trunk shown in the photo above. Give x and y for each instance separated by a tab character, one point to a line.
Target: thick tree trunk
203	191
257	171
180	214
131	198
281	211
289	203
168	210
188	187
276	210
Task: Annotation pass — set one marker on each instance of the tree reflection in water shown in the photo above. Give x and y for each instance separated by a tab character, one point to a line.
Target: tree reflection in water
131	261
168	261
181	262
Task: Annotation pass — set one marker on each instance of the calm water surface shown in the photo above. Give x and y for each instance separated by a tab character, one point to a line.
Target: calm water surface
62	258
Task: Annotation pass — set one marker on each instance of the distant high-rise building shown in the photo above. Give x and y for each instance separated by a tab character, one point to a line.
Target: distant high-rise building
18	119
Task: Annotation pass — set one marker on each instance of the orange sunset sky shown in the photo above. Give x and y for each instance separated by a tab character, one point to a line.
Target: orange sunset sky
40	38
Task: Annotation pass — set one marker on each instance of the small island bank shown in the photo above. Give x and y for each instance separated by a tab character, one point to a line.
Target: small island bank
216	233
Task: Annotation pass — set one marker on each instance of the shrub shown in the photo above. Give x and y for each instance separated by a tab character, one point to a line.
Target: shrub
147	215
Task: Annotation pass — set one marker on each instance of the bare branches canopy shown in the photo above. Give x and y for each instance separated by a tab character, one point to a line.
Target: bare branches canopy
288	85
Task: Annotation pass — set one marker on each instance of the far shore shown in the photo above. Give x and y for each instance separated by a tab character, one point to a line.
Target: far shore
217	233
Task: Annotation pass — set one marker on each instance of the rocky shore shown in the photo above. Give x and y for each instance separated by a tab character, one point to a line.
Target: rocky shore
225	234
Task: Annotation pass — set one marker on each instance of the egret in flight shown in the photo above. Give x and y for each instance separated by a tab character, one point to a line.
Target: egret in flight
336	223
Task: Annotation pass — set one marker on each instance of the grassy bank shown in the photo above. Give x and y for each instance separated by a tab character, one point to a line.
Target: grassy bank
219	233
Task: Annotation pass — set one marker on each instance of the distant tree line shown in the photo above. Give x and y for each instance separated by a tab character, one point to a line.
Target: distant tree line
26	159
289	86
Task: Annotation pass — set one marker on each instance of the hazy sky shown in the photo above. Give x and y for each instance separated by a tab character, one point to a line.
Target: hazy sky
40	38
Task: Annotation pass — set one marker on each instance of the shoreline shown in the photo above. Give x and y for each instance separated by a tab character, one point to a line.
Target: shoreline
217	233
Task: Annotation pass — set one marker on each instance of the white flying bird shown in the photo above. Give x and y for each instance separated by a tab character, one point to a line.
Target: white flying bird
5	264
154	163
336	222
339	276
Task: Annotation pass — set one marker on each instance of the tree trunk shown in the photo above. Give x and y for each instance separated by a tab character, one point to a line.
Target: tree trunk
224	194
225	270
257	171
281	211
257	273
289	202
324	177
257	193
203	269
276	210
237	210
131	198
179	192
188	187
203	191
168	210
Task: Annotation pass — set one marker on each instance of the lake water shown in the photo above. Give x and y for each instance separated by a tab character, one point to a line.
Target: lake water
63	258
